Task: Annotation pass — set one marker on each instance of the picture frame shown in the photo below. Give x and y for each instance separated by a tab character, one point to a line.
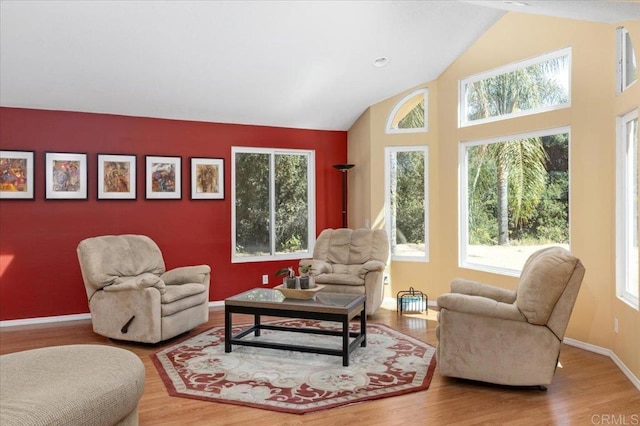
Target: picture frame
163	177
17	175
65	176
116	177
207	178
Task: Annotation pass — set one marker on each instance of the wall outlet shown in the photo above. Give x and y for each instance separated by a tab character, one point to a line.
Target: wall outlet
265	279
615	325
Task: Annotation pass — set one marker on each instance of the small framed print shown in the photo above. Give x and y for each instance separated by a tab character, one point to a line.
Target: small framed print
65	176
207	178
163	178
16	175
116	177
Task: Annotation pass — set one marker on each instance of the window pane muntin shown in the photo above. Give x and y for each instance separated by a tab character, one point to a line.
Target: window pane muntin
407	221
265	220
508	260
518	107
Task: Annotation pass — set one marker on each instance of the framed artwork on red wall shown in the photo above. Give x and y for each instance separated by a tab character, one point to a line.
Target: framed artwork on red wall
163	178
116	177
16	175
207	178
65	176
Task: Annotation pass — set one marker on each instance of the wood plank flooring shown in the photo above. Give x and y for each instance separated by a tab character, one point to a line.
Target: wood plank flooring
588	388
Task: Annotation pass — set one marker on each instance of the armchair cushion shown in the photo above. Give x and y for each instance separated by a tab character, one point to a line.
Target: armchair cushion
186	274
477	305
137	283
474	288
542	282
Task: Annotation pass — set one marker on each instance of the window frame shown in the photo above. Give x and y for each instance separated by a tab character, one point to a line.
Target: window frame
389	129
623	221
387	201
311	203
621	59
462	106
463	200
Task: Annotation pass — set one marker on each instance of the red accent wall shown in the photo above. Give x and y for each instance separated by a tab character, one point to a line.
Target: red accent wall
39	272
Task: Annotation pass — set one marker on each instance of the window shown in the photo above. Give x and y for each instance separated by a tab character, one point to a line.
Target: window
406	202
627	209
514	199
273	204
528	87
410	114
627	67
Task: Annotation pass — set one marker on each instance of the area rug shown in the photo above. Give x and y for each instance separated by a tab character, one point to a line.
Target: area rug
295	382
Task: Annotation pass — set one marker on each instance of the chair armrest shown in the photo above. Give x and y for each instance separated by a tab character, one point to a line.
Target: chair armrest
186	274
371	266
139	282
316	267
474	288
477	305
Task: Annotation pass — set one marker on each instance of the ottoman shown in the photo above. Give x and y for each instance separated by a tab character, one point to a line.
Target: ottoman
71	385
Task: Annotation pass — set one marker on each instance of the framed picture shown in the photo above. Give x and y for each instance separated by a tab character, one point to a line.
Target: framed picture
16	175
65	176
163	178
207	178
116	177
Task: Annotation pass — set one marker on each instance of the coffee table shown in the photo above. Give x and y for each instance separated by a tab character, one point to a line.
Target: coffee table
336	307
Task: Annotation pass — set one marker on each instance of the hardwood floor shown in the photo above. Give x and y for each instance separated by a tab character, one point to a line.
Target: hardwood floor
588	388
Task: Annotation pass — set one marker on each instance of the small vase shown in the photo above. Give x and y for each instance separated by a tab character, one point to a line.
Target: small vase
305	282
290	282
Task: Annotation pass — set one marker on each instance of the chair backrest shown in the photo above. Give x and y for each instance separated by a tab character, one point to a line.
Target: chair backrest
106	258
350	247
548	288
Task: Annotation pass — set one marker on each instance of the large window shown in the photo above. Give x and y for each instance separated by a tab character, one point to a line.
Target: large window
532	86
627	66
514	199
627	209
273	204
410	114
406	202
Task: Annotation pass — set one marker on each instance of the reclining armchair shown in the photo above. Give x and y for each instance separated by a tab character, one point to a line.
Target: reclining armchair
495	335
131	295
351	261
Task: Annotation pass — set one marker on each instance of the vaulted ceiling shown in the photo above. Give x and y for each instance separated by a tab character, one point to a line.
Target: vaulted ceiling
303	64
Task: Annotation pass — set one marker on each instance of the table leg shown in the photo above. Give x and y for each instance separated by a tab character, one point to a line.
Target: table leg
345	342
227	330
363	326
256	324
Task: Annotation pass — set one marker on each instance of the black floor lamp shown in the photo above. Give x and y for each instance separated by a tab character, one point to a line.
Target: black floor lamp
344	168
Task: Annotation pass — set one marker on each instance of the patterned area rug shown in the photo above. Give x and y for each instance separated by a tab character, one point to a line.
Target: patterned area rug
295	382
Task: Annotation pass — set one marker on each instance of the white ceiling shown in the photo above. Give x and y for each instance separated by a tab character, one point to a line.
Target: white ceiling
302	64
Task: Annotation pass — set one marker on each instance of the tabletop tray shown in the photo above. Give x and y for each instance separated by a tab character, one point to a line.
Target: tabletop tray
296	293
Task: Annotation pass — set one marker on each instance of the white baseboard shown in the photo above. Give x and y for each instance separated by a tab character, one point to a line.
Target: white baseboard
568	340
44	320
606	352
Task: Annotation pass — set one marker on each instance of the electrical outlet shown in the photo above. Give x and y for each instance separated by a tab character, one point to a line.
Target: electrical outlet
265	279
615	325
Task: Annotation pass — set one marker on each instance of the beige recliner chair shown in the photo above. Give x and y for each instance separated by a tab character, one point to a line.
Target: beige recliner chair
351	261
506	337
132	297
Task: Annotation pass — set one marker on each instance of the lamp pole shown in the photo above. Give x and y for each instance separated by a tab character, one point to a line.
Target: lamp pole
344	168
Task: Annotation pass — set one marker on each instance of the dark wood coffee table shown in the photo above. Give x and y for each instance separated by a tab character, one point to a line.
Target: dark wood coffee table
336	307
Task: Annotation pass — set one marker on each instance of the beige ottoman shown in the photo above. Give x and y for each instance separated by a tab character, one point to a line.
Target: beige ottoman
71	385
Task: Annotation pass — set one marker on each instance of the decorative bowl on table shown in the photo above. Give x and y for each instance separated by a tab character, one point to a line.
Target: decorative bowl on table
296	293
